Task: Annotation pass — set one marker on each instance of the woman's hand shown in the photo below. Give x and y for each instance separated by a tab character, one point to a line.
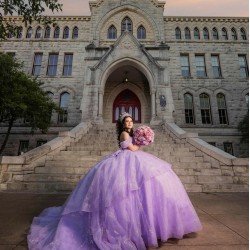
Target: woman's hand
125	136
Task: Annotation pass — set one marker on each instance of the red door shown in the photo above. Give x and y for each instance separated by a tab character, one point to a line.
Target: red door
127	101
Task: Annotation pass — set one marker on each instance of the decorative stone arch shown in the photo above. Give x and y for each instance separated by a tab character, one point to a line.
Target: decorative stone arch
135	10
66	89
225	92
139	66
186	90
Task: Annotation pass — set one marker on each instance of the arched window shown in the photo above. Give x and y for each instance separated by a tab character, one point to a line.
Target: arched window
29	32
224	34
38	33
178	33
233	34
75	33
64	103
66	33
215	34
196	34
222	108
189	108
141	32
206	117
205	34
243	34
112	32
19	33
9	35
57	32
187	33
47	32
127	24
50	95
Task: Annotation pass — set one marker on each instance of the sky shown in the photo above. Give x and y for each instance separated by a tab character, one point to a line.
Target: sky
175	7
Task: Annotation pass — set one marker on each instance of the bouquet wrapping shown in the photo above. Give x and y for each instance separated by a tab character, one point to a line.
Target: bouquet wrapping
143	135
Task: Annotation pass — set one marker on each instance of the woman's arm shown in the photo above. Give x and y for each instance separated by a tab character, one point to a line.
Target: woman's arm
125	136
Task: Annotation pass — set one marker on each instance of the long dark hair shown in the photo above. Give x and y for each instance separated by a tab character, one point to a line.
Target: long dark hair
120	128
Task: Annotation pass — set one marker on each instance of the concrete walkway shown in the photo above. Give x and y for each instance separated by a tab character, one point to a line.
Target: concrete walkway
224	217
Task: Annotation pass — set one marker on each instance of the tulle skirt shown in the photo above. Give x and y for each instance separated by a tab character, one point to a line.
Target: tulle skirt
129	200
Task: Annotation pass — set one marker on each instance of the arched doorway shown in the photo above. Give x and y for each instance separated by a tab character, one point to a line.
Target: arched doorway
127	101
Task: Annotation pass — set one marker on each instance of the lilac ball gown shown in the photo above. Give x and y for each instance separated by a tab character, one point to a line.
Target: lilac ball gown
127	201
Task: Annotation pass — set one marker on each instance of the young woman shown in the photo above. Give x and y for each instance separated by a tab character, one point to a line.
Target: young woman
127	201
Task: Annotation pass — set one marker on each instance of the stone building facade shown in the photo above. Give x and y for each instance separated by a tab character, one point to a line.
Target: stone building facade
127	56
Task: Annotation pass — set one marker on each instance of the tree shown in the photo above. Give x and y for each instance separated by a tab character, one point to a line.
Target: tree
21	97
243	127
30	10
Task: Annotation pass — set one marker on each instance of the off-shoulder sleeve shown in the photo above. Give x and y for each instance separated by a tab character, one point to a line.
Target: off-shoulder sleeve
125	144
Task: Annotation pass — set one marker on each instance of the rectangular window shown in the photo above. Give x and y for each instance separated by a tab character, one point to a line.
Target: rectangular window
243	66
52	64
185	68
200	65
23	147
37	64
228	147
216	65
63	116
40	143
68	62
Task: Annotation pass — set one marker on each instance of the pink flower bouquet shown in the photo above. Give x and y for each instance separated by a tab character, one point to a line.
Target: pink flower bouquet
143	135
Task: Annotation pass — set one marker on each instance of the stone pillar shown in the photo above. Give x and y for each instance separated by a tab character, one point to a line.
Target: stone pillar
153	113
100	106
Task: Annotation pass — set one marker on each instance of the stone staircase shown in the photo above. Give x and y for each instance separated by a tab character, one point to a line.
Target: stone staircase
61	170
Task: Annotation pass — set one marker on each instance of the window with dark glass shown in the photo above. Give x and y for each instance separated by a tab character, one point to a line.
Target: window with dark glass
19	33
215	61
215	34
75	33
200	66
40	143
196	34
205	34
222	108
206	117
66	33
228	147
224	34
187	33
64	103
47	32
243	66
189	108
112	32
29	32
52	64
178	33
127	25
38	33
57	32
185	67
37	64
233	34
141	32
23	147
243	34
68	62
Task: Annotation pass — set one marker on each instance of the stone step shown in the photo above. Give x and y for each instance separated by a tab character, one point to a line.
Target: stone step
81	170
53	177
96	153
73	158
71	164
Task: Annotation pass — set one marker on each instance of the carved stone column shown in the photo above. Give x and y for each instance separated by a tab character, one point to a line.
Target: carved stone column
153	112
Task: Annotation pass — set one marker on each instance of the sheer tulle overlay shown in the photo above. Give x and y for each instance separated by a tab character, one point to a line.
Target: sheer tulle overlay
129	200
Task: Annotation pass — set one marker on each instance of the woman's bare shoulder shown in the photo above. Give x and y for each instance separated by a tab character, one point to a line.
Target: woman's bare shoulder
124	136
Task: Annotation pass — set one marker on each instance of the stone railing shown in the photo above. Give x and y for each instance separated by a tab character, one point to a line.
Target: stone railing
26	163
235	168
